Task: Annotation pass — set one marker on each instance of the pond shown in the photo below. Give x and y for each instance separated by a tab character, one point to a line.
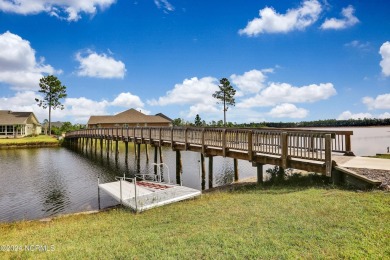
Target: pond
44	182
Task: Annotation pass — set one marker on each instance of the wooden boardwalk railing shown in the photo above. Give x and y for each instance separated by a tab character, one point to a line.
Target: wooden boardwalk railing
295	148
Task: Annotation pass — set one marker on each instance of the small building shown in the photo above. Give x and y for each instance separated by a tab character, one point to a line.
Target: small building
128	118
18	124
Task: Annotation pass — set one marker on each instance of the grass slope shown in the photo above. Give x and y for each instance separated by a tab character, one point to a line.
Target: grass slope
41	139
248	222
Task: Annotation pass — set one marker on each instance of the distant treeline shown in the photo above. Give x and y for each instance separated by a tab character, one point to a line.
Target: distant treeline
324	123
317	123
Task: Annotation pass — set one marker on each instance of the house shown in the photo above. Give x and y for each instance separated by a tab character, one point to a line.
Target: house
17	124
128	118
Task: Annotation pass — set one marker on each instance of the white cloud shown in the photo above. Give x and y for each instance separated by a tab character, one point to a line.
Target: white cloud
380	102
288	110
190	92
278	93
385	62
295	19
18	65
348	115
358	45
127	100
165	5
251	81
348	20
209	109
384	115
82	108
63	9
100	66
24	101
75	109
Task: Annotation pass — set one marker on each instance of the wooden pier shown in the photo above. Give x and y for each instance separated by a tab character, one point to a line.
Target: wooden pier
308	150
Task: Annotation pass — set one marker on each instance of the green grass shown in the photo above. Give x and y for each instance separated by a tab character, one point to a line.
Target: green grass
246	223
41	139
382	156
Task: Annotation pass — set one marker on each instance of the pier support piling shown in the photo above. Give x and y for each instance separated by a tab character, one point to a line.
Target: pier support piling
235	162
260	174
126	151
116	149
155	159
146	152
203	182
160	152
179	167
211	158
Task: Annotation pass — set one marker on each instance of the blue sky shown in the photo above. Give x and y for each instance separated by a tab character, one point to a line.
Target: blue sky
288	60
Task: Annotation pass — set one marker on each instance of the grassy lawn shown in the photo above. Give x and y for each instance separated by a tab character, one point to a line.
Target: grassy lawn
28	140
246	223
382	156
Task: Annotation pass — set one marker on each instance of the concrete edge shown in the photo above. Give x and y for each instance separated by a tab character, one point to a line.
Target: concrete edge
356	175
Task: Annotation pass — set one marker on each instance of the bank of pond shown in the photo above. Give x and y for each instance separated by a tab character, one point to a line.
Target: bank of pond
244	222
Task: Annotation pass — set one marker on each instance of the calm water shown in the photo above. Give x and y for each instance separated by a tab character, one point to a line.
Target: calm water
367	140
38	183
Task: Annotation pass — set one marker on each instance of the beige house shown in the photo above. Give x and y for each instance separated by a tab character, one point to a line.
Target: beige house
128	118
18	124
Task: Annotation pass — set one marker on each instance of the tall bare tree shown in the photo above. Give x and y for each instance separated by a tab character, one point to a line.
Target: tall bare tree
225	96
53	91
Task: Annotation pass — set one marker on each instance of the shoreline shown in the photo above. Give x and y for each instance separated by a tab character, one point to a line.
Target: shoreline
28	145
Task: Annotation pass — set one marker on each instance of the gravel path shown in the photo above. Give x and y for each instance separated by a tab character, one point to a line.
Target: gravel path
373	174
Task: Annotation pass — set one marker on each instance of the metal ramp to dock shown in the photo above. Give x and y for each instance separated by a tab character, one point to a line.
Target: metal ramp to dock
144	195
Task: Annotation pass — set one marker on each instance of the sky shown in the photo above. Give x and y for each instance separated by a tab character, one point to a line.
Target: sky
289	61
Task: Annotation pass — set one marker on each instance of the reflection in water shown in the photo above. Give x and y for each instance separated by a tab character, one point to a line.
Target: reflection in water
55	201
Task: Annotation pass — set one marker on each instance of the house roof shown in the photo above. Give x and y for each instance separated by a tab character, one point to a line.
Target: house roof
164	116
130	116
8	117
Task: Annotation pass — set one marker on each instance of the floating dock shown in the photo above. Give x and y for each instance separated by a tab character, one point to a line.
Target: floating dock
144	195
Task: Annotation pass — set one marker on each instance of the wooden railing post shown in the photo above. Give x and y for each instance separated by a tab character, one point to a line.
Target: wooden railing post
172	137
348	143
203	142
284	144
224	142
250	146
150	135
160	141
328	154
186	139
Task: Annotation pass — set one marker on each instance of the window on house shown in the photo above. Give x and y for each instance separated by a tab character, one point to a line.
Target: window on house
126	125
10	129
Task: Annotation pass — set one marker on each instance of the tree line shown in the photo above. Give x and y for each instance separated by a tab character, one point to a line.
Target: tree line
316	123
